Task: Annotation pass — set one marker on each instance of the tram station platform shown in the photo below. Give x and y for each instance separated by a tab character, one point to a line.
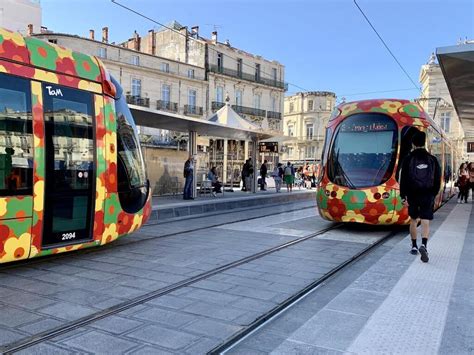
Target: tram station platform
174	207
395	305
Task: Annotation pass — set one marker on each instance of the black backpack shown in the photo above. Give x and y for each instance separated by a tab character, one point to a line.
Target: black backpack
422	170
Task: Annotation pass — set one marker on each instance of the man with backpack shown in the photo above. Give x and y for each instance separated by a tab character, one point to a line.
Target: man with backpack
420	182
289	178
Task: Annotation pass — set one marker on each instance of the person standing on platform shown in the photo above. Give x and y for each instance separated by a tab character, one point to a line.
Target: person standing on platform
277	175
189	176
249	178
263	175
245	173
463	183
419	184
289	177
470	168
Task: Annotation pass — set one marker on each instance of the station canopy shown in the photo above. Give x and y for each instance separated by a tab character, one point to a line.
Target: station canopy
457	65
225	123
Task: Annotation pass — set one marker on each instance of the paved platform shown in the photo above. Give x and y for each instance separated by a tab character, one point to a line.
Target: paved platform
397	305
173	207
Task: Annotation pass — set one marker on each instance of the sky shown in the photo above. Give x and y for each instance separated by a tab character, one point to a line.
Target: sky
325	45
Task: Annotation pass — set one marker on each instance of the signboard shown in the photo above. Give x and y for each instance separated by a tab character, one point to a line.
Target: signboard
470	147
268	147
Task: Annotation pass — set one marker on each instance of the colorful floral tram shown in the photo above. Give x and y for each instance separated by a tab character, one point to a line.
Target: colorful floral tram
72	174
366	142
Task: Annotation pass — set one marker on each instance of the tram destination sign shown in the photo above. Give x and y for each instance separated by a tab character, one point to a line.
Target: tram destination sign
268	147
365	127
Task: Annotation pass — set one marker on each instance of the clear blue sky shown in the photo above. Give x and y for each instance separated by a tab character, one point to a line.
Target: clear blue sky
324	45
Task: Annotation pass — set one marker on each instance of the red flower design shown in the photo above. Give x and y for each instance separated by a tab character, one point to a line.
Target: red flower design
372	211
336	208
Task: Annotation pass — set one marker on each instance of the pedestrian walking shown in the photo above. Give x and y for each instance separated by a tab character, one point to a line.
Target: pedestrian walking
289	177
419	184
277	175
463	183
188	176
263	175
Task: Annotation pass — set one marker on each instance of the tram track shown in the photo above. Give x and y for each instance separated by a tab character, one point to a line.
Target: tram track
84	321
126	242
267	317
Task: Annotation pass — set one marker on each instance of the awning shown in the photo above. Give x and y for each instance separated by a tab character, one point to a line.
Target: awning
457	65
147	117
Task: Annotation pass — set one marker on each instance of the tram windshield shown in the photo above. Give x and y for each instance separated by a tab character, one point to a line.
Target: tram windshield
132	181
364	151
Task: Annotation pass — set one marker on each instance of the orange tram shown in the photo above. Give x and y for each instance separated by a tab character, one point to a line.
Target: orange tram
72	174
366	142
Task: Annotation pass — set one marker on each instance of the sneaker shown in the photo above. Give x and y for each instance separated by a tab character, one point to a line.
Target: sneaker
424	254
414	251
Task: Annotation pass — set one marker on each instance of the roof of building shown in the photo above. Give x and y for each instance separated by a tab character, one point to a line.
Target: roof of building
457	66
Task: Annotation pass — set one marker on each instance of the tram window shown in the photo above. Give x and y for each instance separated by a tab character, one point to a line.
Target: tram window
132	181
405	146
364	151
16	140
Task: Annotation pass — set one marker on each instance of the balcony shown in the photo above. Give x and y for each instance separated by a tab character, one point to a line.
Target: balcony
249	77
273	114
249	111
192	110
216	105
166	106
137	100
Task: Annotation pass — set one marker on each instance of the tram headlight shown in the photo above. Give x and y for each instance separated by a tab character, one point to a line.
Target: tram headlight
385	195
327	192
377	195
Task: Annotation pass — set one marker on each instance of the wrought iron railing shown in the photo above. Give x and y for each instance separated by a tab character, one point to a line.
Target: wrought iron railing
273	114
137	100
216	105
166	105
249	111
249	77
193	110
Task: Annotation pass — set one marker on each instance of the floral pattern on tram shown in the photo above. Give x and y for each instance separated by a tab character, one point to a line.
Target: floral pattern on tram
21	217
380	204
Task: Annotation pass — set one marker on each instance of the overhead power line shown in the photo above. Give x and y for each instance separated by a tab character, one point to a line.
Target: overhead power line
386	46
194	39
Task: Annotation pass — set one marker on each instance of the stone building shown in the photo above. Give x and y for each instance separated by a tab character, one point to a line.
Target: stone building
436	101
254	85
306	115
16	15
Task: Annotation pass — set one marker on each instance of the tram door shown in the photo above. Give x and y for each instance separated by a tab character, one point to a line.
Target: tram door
69	165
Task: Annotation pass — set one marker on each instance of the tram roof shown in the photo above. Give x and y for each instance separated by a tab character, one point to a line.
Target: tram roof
152	118
457	65
48	56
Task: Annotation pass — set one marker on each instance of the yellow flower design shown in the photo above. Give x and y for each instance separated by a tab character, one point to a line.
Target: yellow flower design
346	109
38	190
110	234
15	37
137	222
389	217
89	86
2	69
36	91
46	76
111	140
370	194
391	106
3	206
63	52
17	248
351	216
100	195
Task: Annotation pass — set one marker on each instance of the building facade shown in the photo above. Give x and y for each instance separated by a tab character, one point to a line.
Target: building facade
176	70
16	15
436	101
306	115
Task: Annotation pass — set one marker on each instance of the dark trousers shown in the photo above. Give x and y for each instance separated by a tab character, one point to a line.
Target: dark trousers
188	187
262	183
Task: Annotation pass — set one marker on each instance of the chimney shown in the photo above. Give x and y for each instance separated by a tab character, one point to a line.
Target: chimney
29	32
214	36
105	34
136	41
195	31
151	42
91	34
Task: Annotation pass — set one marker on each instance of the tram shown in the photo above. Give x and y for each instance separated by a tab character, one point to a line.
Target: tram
366	142
72	174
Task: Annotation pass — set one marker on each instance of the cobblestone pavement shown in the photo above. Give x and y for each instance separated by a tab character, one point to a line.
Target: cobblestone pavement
388	302
51	292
